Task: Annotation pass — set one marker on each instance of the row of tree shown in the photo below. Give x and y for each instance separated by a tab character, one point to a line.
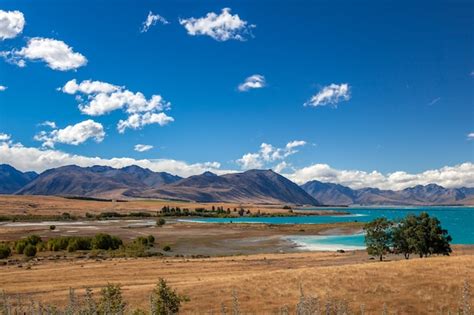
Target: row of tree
415	234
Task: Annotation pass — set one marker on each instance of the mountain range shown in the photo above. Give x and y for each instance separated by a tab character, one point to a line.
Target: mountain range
432	194
253	186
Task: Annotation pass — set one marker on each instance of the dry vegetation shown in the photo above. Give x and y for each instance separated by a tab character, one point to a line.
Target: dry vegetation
50	205
264	283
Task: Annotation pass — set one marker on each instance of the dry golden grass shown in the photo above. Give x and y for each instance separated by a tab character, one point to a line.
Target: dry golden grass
51	205
264	283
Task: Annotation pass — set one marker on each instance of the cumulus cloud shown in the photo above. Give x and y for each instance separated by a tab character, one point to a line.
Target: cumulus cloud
99	98
2	88
330	95
138	121
73	134
11	24
34	159
268	154
255	81
447	176
470	136
4	137
222	27
57	54
151	20
143	147
48	123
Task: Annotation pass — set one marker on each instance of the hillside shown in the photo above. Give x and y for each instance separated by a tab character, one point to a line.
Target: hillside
254	186
12	179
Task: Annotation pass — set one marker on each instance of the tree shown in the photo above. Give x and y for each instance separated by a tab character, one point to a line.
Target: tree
405	236
430	237
378	237
164	300
5	251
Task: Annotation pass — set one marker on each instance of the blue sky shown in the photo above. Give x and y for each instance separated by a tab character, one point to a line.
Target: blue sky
408	67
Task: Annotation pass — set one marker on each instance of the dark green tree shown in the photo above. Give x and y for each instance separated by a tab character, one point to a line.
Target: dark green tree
378	237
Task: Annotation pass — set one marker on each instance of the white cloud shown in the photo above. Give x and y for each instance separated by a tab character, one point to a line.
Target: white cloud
34	159
470	136
447	176
4	137
57	54
221	27
74	134
2	88
138	121
330	95
255	81
268	154
143	147
102	98
151	20
281	166
11	24
48	123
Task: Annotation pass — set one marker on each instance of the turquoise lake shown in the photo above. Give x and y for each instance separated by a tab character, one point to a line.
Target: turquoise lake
459	221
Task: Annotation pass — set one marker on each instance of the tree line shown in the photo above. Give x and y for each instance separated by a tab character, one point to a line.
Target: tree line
415	234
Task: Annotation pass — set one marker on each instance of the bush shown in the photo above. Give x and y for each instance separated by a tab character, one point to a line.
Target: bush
160	222
30	250
52	227
167	248
111	301
33	239
165	300
151	240
5	251
20	246
106	242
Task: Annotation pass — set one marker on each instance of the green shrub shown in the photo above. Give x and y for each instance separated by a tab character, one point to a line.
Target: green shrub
111	301
30	250
167	248
33	239
20	246
160	222
5	251
52	227
106	242
165	300
151	240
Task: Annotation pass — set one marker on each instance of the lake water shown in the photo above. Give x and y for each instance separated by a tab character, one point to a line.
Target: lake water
459	221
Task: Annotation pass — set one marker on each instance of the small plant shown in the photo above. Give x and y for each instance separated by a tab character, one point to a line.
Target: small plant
5	251
111	301
165	300
167	248
30	250
52	227
160	222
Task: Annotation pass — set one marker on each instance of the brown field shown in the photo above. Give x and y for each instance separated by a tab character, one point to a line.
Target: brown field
51	205
263	268
264	283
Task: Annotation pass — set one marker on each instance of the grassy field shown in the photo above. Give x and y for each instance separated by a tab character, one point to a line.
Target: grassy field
264	283
265	270
51	205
